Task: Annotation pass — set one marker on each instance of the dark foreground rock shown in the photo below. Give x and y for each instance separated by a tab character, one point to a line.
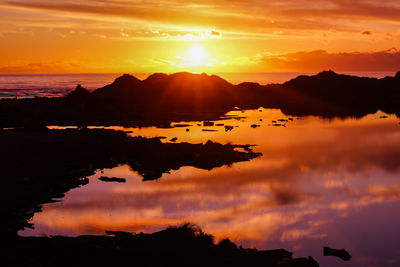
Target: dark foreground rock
175	246
41	165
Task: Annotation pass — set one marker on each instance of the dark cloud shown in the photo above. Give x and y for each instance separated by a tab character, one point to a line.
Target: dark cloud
387	60
239	14
215	33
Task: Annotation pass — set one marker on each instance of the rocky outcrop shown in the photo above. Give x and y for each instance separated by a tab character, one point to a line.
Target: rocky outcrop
186	245
163	98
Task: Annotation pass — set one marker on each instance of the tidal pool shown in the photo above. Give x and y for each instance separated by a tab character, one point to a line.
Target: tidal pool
320	182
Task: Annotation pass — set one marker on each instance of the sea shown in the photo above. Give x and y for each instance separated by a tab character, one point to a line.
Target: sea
54	85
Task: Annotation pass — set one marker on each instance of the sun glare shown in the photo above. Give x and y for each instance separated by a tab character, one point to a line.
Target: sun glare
195	55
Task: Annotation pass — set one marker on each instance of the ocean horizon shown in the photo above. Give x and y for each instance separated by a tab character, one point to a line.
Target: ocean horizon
54	85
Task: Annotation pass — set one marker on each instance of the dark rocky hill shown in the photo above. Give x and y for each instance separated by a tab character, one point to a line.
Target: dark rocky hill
184	96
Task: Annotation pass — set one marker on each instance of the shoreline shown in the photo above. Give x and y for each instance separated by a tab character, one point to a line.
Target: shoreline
185	245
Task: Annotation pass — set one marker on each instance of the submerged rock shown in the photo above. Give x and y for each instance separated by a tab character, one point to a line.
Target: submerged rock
182	125
112	179
340	253
228	128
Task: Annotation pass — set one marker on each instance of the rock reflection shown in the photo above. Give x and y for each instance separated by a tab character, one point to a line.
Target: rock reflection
43	164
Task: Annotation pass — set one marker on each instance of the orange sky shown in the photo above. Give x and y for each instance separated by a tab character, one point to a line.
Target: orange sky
47	36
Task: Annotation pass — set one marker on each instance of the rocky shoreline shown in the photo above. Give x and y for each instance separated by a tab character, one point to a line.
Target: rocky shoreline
186	245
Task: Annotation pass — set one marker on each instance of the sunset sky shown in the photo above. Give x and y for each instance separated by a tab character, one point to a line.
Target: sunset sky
85	36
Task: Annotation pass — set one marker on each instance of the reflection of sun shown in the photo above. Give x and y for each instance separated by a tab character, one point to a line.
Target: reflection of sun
195	55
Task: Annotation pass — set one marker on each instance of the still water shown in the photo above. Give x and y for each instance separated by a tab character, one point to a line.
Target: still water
319	183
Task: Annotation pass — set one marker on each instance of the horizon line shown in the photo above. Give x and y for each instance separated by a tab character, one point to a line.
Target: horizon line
192	72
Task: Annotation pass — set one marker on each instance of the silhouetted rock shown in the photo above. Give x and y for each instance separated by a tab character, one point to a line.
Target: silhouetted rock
162	98
340	253
182	125
122	89
119	234
186	245
79	92
164	125
112	179
343	95
302	262
208	123
227	247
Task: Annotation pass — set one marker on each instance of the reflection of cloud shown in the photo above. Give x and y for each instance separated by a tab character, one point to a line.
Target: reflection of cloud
362	197
389	36
379	194
295	234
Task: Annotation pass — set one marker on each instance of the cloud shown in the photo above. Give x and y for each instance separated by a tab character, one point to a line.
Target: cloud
215	33
277	26
273	15
317	60
21	66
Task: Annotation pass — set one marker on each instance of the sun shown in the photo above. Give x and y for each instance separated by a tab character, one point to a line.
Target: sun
195	55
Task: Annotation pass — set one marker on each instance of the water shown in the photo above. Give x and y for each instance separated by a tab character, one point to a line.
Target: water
319	183
30	85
